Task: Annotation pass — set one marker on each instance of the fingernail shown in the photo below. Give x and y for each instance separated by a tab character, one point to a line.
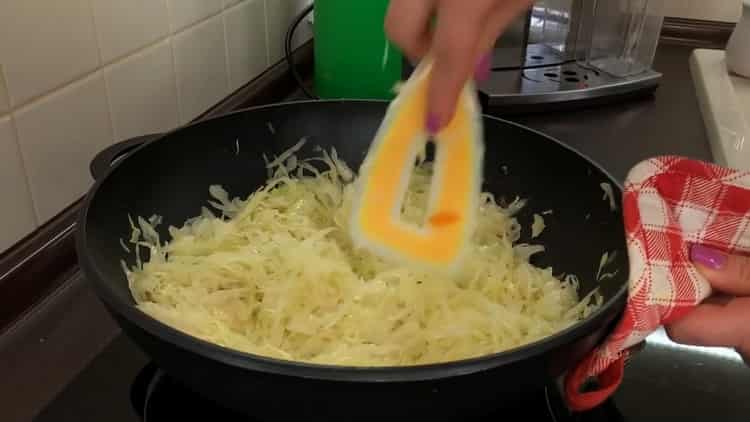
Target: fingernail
433	123
483	69
708	257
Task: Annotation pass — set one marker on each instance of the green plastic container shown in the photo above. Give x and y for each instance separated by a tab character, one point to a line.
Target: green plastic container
353	57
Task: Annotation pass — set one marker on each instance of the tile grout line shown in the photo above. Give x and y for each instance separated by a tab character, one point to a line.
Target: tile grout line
26	177
100	69
180	106
110	112
225	12
4	86
226	47
97	38
178	92
170	29
196	23
174	60
180	112
21	158
266	65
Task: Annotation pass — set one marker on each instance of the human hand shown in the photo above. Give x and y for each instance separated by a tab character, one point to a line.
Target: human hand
461	41
724	319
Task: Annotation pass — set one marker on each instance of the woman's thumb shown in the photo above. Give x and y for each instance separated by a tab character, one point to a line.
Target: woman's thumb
729	274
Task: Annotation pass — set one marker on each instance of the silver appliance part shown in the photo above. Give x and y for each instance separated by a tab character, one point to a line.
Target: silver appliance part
540	60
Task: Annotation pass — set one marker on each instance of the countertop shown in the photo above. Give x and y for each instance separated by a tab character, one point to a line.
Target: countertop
617	136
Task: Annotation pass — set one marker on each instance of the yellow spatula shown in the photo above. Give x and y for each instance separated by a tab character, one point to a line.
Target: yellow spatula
440	242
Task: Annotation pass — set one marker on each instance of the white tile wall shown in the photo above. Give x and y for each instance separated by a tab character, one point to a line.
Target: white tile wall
246	45
201	67
142	92
77	75
59	136
125	26
18	215
45	44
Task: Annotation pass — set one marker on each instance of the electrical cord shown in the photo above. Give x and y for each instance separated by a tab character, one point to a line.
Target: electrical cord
288	50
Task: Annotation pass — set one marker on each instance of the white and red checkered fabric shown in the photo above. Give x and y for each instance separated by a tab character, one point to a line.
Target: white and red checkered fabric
668	204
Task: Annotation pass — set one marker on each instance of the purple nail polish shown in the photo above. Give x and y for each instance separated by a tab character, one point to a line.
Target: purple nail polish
708	257
433	123
483	68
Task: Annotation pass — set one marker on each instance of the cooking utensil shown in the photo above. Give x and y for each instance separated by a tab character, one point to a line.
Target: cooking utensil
170	174
439	243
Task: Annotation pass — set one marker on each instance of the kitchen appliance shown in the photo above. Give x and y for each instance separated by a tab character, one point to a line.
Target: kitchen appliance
561	53
567	52
181	166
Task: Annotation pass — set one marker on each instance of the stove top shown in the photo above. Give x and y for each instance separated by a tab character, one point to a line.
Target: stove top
155	396
664	382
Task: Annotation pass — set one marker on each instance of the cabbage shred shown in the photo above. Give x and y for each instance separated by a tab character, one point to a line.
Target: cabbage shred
276	275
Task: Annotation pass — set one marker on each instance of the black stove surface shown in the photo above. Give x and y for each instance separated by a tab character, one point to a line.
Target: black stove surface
157	397
664	382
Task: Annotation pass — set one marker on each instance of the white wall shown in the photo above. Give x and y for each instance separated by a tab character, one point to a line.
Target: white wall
713	10
78	75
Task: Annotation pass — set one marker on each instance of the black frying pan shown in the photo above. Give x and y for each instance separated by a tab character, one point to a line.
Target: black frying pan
170	174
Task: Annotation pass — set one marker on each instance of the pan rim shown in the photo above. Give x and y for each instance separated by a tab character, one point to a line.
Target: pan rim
253	362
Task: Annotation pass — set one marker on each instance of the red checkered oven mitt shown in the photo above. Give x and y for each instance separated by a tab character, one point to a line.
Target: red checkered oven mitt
668	204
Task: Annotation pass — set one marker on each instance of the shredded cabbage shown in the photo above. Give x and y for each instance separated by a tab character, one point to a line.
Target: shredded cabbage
537	227
276	275
605	260
609	195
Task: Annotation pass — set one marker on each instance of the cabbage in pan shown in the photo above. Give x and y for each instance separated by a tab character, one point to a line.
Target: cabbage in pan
275	274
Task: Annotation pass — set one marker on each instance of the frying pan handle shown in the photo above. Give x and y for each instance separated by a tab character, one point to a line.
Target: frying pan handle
103	161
